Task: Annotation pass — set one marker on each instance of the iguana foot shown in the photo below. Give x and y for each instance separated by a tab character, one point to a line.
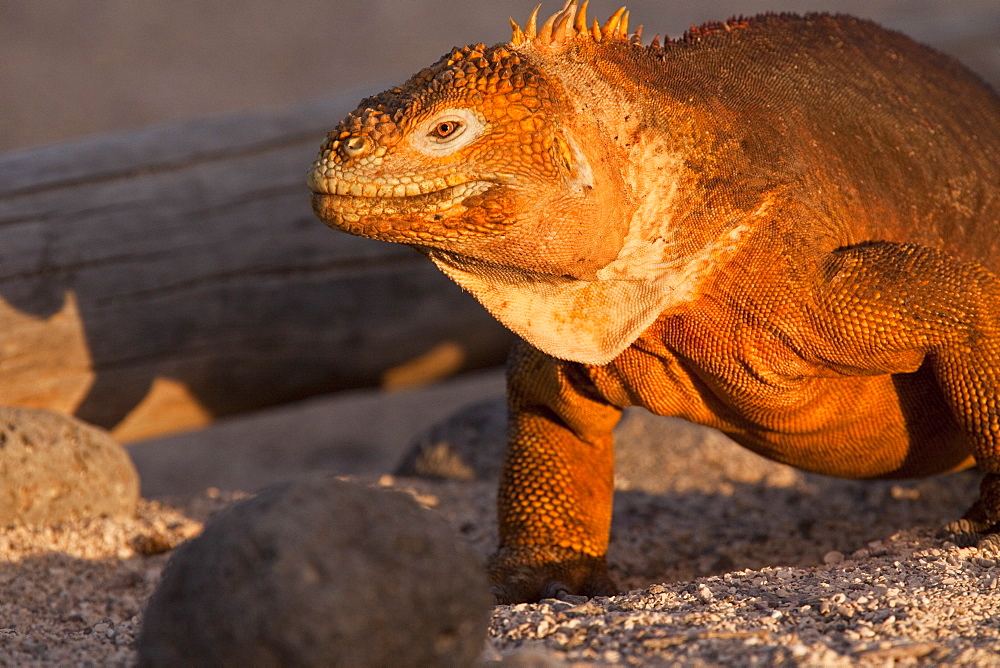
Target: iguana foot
967	533
528	575
964	532
979	526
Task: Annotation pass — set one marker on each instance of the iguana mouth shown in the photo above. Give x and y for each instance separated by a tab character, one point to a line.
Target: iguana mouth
352	199
406	219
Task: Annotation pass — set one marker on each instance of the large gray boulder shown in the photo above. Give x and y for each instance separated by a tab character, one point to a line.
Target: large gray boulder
320	572
55	468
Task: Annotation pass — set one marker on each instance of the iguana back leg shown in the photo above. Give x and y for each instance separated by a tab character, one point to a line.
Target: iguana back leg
894	297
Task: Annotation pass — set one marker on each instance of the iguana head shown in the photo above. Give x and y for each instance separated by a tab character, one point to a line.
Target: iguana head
520	170
477	155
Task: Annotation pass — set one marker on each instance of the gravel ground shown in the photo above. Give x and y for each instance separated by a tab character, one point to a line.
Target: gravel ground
760	592
907	599
73	594
741	561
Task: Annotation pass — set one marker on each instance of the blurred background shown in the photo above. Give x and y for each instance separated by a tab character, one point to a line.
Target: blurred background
78	67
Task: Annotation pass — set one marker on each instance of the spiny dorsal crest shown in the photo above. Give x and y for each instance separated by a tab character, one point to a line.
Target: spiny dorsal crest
569	24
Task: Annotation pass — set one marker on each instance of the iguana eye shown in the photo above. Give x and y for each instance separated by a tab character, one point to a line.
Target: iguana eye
447	129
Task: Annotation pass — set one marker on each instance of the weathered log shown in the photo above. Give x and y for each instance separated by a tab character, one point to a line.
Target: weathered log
151	281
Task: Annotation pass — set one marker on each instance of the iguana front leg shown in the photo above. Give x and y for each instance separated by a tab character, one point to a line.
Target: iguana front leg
556	486
886	298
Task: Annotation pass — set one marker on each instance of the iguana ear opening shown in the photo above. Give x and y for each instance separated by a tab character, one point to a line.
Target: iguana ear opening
572	158
562	150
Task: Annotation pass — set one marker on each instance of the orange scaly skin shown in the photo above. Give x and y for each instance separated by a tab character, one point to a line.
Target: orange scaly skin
786	228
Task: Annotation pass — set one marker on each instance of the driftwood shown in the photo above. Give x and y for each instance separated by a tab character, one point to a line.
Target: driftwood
151	281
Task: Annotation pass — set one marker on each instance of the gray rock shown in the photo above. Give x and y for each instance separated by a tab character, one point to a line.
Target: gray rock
469	445
320	572
55	468
652	453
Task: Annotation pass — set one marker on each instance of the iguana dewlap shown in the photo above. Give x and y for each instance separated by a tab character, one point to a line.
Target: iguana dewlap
786	228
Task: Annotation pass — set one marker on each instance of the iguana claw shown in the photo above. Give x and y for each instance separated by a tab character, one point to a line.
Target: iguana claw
520	576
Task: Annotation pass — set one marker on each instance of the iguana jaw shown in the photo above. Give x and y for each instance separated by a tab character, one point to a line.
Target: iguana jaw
365	209
478	221
326	181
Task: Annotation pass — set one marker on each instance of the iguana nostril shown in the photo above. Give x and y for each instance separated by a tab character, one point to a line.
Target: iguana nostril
355	146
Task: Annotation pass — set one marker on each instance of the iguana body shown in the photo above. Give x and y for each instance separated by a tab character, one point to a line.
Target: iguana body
785	228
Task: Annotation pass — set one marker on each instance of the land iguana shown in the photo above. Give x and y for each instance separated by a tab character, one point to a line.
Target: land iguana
786	228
